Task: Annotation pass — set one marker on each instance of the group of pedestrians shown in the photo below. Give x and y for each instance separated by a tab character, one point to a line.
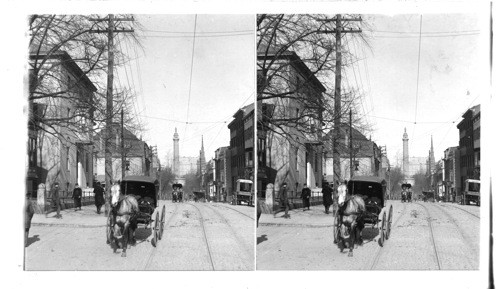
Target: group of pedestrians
327	192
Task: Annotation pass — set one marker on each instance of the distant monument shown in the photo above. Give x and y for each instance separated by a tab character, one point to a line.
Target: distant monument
406	156
176	162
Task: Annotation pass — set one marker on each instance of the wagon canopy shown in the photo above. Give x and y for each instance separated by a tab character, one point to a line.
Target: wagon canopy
368	186
141	186
176	185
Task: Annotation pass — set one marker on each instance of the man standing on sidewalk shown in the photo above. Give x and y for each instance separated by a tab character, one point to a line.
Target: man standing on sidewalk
327	197
77	197
284	199
306	194
29	212
56	203
98	196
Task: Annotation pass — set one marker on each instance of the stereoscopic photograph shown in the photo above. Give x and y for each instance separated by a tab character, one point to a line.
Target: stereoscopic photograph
140	147
369	151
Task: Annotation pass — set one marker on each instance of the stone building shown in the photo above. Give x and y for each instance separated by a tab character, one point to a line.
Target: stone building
293	150
59	124
222	172
451	167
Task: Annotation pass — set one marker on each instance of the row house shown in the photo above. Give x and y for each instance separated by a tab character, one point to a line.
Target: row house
451	167
60	122
469	145
289	134
241	146
222	173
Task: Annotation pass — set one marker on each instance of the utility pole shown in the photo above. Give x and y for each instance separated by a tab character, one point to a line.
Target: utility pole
108	169
122	146
338	79
350	143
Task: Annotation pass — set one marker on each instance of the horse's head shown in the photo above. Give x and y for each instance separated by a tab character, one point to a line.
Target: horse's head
115	194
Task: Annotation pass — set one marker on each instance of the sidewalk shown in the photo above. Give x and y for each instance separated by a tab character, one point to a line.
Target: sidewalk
85	218
313	218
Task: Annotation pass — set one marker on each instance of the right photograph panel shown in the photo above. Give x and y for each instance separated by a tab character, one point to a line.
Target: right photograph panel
368	141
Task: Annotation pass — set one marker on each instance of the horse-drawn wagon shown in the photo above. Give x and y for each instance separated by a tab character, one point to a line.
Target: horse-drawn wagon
372	190
199	196
145	191
177	194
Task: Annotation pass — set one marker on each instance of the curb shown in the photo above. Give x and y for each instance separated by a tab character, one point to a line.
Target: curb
67	225
293	225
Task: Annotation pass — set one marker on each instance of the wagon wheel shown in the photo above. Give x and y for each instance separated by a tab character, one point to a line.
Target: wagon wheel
336	228
382	228
162	222
389	224
109	229
154	241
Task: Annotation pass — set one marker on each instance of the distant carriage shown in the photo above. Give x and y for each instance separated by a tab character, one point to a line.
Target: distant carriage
145	190
373	192
428	196
406	194
177	194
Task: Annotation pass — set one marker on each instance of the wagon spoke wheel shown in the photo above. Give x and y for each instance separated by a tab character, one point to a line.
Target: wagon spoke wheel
389	224
162	222
336	228
154	242
109	229
382	228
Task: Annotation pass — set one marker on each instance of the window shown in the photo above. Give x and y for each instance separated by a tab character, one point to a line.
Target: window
32	152
67	158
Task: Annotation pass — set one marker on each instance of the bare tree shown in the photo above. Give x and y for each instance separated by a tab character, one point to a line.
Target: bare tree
397	177
294	41
58	41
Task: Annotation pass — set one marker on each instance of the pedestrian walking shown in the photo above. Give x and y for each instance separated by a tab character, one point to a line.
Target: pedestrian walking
98	196
77	197
28	215
327	197
56	202
306	195
284	199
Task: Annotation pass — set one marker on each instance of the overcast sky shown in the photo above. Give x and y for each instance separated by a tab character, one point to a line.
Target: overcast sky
450	78
204	85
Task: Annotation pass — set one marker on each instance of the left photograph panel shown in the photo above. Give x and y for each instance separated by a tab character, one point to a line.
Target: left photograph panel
140	142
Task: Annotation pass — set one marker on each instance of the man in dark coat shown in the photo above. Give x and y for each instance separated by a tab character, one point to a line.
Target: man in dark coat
77	197
56	202
98	196
284	199
306	194
327	197
28	215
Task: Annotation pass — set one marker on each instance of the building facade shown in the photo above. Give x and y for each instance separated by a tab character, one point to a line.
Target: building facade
469	145
451	167
222	172
293	151
241	146
59	125
138	155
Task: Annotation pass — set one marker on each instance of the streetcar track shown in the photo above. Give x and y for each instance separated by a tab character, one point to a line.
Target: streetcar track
202	223
458	208
241	240
459	230
429	221
152	250
252	218
393	225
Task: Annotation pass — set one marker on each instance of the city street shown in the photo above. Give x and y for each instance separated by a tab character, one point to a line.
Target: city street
197	236
425	236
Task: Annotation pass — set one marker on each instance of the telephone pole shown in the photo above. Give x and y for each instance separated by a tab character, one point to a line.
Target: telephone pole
108	169
338	79
122	145
350	143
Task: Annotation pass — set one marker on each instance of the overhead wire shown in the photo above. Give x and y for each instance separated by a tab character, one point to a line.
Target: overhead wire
418	75
191	72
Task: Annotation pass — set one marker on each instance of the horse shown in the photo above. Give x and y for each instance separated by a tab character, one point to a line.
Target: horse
124	210
351	223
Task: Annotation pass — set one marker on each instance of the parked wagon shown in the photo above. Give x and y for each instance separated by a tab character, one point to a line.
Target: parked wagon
145	190
372	190
199	196
428	196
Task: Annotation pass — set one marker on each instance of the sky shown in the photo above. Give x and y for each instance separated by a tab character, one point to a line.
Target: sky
450	76
177	82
